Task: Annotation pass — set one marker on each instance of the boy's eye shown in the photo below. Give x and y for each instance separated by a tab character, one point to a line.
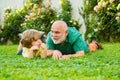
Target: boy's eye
35	39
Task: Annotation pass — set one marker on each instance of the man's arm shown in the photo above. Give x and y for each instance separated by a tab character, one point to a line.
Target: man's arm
77	54
49	52
58	55
55	54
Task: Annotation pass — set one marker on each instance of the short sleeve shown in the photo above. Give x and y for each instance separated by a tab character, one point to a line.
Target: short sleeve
80	45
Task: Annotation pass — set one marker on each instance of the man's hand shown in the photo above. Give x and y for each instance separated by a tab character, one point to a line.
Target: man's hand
56	55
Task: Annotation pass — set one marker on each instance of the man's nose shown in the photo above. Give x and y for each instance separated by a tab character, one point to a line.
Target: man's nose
53	34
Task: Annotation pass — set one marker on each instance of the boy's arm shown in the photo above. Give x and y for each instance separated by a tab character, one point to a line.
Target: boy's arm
44	52
19	48
49	52
32	52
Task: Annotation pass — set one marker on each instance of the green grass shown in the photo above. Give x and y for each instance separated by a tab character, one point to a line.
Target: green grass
100	65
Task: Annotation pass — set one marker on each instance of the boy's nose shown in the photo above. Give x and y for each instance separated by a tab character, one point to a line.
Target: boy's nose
39	41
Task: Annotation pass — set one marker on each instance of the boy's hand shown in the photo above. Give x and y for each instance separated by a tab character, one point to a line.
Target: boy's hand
34	48
43	46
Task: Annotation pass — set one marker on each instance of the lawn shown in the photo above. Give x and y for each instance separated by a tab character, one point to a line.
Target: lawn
100	65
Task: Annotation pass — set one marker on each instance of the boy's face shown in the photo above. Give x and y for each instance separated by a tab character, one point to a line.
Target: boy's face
37	43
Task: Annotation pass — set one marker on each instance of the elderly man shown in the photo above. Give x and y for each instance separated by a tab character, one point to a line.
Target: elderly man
65	42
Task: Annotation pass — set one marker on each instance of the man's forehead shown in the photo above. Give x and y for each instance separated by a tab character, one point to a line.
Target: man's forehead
56	27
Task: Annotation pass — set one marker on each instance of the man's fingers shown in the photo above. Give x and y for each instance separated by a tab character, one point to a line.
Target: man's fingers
65	57
57	55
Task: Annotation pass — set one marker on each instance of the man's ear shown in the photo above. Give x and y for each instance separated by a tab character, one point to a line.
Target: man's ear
66	32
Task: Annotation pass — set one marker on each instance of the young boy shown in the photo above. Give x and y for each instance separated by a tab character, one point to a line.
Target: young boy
31	45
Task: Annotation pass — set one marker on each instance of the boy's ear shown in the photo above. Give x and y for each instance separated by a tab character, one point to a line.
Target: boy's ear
41	33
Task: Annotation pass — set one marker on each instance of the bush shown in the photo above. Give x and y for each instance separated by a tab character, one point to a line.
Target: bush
66	15
12	24
40	20
34	15
108	13
89	19
103	23
104	20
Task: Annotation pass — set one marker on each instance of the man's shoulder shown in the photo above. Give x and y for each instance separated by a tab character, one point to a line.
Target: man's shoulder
72	31
49	40
73	34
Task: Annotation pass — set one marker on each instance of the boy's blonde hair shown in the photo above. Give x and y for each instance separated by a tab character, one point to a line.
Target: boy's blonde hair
28	36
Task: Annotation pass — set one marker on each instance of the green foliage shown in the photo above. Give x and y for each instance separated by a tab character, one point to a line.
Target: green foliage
12	24
89	5
89	19
66	15
104	22
40	17
35	15
66	8
109	18
41	20
36	1
100	65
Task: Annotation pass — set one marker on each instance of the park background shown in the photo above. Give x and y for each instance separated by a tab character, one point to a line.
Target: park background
95	19
54	4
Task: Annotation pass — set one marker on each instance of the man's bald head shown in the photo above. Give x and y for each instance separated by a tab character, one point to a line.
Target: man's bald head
60	24
59	32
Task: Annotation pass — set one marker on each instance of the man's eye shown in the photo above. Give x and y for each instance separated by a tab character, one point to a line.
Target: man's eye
57	32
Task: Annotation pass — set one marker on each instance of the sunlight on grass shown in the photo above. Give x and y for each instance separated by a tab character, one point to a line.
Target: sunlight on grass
100	65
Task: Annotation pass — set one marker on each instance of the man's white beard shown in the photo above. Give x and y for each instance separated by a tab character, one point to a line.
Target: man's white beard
59	40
